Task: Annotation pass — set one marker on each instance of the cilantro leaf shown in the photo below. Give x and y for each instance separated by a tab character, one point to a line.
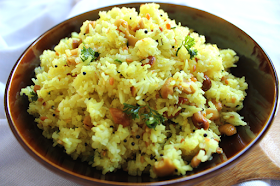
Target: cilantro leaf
179	49
117	60
88	52
34	96
192	52
152	118
188	43
131	110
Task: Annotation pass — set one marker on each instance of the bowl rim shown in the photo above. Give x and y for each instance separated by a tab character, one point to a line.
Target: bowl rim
85	179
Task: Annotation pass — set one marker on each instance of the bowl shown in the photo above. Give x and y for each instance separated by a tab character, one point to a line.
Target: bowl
259	110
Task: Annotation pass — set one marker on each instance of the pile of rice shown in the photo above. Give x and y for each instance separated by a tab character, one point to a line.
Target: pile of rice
137	59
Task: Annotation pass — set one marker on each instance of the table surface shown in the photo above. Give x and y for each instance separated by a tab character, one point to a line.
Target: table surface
21	22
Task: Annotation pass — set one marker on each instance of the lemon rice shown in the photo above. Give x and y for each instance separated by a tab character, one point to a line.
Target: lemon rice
138	92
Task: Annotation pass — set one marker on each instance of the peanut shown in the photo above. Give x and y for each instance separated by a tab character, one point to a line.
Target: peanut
206	85
228	129
200	121
215	113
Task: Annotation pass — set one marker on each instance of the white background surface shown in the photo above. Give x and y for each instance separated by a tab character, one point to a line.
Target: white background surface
21	22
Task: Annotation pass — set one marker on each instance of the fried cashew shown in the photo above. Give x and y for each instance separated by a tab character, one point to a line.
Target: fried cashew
186	86
164	167
140	25
131	39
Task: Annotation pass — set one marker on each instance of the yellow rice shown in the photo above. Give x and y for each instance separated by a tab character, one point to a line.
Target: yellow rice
71	91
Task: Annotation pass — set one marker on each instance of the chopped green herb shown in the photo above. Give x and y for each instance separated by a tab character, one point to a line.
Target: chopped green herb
152	118
188	43
88	52
57	131
131	110
34	96
173	27
117	60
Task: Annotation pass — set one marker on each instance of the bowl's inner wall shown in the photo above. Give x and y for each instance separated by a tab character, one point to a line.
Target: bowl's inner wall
253	64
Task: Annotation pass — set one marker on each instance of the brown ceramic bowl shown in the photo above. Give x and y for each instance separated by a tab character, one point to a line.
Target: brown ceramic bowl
259	106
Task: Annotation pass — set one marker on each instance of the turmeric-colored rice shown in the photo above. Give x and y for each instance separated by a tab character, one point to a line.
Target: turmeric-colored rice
138	60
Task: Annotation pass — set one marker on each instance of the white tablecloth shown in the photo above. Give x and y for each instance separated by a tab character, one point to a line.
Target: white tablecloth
21	22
